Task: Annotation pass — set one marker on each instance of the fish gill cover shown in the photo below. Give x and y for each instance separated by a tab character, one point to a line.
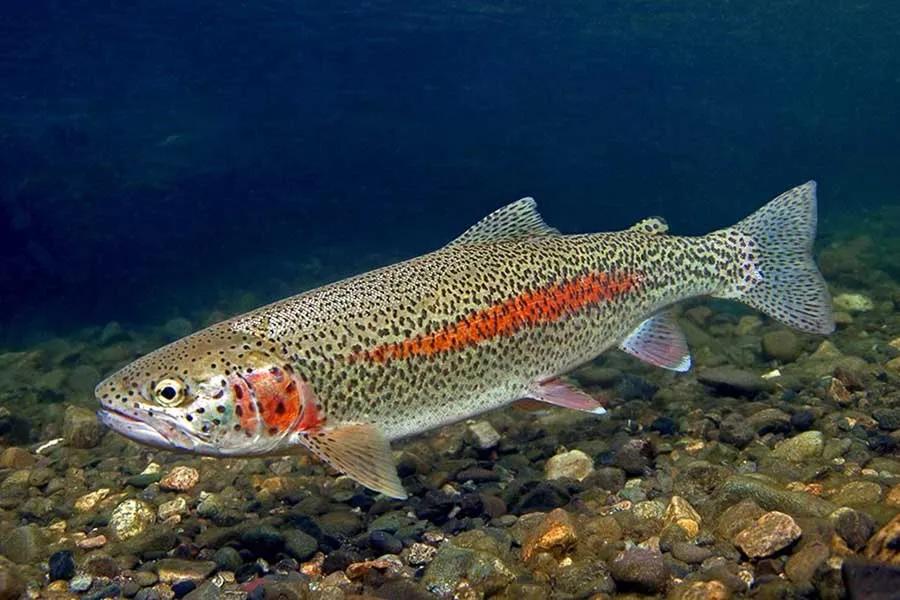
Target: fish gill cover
166	165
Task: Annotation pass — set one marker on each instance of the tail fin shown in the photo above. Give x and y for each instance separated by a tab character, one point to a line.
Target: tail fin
787	284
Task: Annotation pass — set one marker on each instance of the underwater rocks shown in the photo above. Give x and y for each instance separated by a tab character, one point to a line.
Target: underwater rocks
717	483
731	380
180	479
81	429
770	533
131	518
573	464
781	345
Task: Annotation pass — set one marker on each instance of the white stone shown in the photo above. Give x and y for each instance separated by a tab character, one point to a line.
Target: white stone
573	464
484	435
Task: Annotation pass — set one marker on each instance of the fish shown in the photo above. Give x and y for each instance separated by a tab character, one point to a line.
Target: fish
498	315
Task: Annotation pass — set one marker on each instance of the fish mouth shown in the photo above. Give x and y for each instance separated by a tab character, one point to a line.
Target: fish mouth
158	434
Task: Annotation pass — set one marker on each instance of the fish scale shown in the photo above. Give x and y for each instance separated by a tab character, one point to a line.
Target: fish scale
496	315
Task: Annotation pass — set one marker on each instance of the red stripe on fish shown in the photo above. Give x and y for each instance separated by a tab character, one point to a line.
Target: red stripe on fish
529	309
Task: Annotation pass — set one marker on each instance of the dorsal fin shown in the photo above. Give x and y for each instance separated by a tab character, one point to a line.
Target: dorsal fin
512	222
650	226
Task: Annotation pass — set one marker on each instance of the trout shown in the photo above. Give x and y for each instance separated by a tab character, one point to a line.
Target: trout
496	315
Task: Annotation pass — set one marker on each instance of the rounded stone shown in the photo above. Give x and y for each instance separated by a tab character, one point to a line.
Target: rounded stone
385	543
81	429
61	565
131	518
801	447
180	479
641	568
781	345
573	464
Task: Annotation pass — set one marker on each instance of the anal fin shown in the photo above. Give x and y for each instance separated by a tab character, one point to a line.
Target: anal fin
560	393
360	451
660	342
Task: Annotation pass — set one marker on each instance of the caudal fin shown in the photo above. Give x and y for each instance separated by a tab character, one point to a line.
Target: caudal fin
785	283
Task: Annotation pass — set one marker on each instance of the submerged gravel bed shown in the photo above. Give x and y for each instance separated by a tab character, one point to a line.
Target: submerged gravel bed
770	470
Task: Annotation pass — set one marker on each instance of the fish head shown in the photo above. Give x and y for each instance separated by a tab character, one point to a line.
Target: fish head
216	393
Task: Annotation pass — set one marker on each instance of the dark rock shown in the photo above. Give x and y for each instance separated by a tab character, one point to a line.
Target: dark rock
385	543
632	387
802	420
611	479
340	523
690	553
403	589
641	569
634	456
101	565
182	588
477	474
870	580
227	558
263	541
664	425
542	496
247	572
770	420
130	589
735	430
340	559
470	505
855	527
493	506
435	506
300	545
729	380
882	443
888	418
142	480
62	565
111	590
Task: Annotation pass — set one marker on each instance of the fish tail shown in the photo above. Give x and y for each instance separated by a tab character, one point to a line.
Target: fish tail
777	274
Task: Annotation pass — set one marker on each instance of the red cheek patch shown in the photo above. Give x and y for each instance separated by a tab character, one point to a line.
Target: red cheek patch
275	399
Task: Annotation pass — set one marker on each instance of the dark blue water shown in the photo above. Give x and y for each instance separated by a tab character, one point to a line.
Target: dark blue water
163	158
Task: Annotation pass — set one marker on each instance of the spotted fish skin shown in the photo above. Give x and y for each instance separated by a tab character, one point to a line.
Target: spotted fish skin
488	319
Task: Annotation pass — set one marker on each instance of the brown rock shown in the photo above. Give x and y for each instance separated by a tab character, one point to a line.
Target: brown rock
885	544
704	590
802	565
16	458
554	532
180	479
737	518
772	532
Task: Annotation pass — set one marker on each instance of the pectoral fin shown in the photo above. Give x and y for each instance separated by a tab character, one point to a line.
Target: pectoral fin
660	342
361	452
560	393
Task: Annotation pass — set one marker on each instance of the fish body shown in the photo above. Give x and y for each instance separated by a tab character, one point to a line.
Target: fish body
495	316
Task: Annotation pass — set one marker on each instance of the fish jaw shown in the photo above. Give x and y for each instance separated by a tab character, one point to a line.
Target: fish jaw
157	435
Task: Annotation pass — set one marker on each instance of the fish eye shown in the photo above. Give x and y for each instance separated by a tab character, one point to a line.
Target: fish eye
169	392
